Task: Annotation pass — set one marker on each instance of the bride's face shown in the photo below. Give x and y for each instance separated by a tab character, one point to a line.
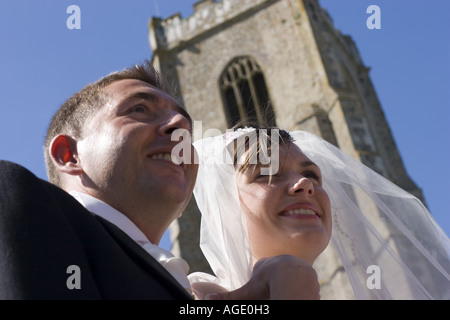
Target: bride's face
289	212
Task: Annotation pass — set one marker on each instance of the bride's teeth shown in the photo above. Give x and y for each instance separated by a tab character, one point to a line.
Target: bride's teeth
300	211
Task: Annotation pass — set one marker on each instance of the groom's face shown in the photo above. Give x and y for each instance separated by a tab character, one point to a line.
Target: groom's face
126	151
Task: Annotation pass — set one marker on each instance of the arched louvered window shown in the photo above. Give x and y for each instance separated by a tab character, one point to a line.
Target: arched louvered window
245	93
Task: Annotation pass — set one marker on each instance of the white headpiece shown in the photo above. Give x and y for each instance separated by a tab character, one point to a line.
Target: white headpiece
374	223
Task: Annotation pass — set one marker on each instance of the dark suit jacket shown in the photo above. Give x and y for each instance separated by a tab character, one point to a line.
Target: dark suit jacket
44	230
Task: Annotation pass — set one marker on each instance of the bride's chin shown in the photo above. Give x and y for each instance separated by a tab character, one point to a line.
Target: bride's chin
310	246
309	236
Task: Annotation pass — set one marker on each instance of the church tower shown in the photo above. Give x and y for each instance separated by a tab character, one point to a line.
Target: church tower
235	59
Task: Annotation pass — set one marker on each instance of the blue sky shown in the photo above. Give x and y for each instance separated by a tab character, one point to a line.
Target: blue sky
43	63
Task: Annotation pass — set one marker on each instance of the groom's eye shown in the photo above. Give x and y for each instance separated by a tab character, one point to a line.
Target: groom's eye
139	108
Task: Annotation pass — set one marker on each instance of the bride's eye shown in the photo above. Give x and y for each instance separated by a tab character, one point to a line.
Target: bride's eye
267	176
311	174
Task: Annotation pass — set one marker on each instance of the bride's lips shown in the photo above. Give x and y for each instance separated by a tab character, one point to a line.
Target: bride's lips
300	210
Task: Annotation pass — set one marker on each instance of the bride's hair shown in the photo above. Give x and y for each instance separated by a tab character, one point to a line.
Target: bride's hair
255	146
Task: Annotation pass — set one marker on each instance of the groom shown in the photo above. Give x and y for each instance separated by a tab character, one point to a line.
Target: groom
93	231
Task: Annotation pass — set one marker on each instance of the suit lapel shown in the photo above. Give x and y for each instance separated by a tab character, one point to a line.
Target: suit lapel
140	256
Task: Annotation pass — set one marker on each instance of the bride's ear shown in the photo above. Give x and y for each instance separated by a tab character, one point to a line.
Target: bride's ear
63	152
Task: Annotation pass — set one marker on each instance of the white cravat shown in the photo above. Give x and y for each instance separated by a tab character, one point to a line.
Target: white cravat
176	266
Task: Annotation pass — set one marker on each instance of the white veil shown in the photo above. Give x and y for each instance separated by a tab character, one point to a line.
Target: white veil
375	223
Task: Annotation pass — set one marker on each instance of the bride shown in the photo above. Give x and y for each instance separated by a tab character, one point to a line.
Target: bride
268	192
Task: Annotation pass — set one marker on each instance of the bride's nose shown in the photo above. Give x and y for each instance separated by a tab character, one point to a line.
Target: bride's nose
301	185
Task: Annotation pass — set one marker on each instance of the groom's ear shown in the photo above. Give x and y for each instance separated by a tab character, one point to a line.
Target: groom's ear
63	152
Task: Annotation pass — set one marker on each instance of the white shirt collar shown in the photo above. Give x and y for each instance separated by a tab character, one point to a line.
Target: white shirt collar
176	266
114	216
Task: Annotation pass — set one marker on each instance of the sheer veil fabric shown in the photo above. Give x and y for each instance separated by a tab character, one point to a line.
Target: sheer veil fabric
375	224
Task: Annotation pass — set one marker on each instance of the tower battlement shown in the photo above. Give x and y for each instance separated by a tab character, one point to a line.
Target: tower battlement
208	14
